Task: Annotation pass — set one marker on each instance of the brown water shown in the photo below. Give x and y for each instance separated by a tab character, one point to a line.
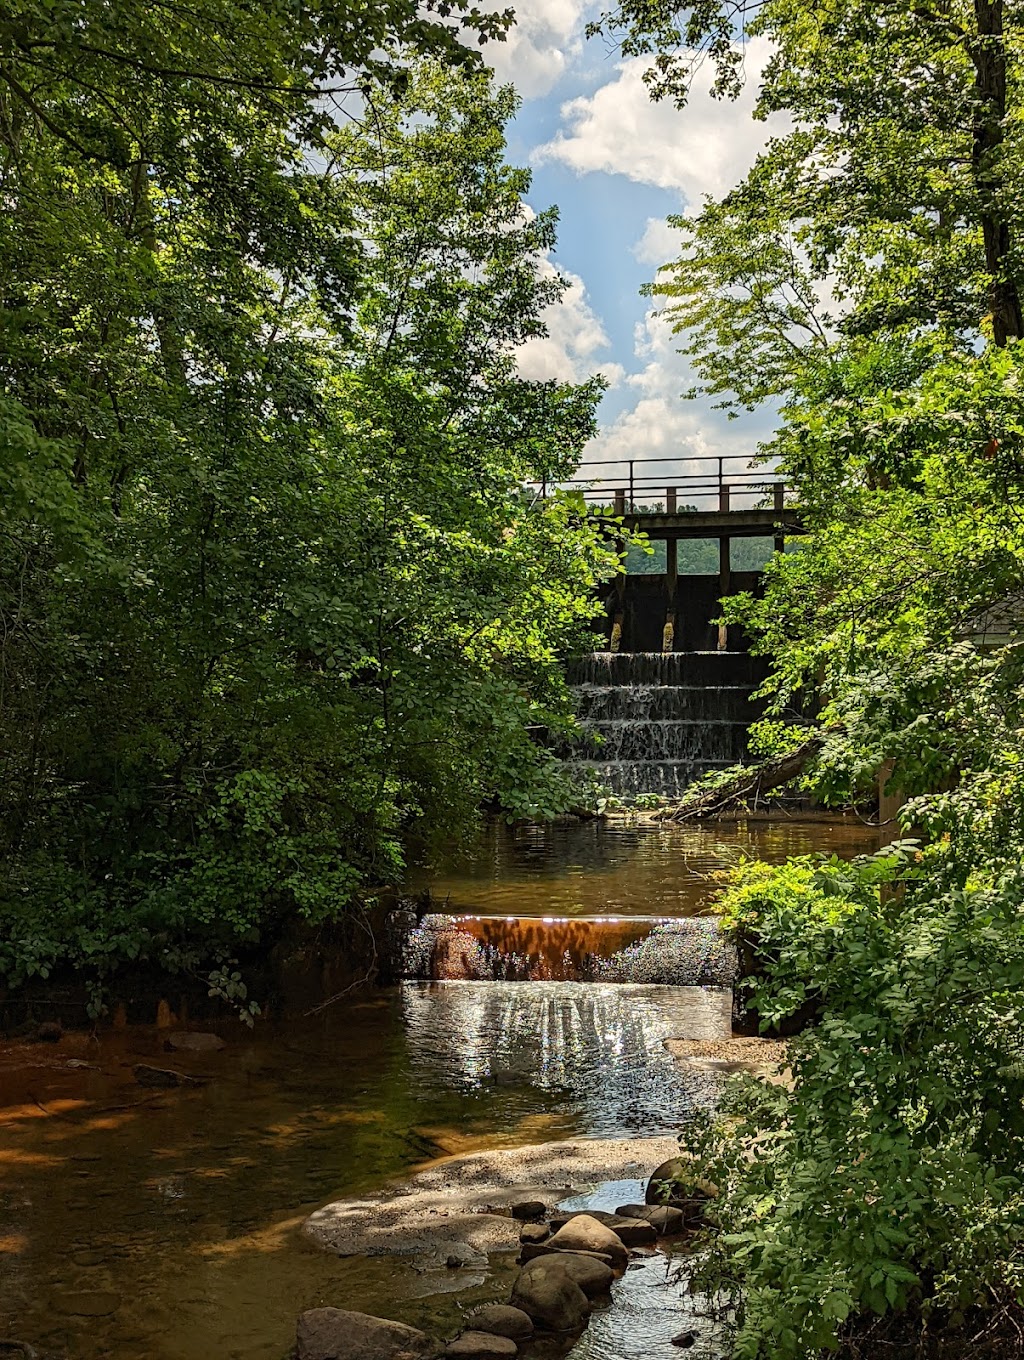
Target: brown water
643	868
164	1225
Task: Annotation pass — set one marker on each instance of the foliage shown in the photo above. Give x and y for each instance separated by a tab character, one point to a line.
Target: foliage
276	598
887	1177
865	279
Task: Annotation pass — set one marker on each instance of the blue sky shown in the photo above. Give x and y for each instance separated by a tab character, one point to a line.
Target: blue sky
617	165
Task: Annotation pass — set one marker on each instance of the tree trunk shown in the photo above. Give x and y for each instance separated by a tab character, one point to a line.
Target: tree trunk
749	785
988	53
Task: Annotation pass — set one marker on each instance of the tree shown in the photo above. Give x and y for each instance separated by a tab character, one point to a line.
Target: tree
866	276
277	599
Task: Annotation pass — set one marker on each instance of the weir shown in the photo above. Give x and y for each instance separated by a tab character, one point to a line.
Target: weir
681	952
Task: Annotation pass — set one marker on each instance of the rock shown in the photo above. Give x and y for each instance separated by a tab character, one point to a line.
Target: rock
503	1320
551	1300
528	1210
337	1334
194	1042
663	1217
592	1276
535	1232
667	1219
50	1031
678	1182
158	1076
685	1340
461	1256
482	1346
532	1250
635	1232
585	1233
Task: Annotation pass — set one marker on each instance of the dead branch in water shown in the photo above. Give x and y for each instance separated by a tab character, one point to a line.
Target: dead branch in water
747	787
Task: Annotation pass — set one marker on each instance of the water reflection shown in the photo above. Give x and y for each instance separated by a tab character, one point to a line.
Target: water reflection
627	869
600	1049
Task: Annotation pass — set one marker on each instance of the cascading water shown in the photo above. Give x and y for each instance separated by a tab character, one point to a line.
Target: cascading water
663	719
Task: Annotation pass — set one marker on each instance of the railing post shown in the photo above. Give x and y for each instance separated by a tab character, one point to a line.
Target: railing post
670	500
723	495
779	507
632	502
620	503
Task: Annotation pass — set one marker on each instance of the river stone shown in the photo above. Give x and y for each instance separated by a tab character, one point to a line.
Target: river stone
337	1334
592	1276
683	1182
663	1217
159	1077
585	1233
528	1210
532	1250
194	1042
503	1320
534	1233
634	1232
482	1346
551	1299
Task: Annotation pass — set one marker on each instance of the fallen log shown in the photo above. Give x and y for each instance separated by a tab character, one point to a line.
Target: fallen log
747	787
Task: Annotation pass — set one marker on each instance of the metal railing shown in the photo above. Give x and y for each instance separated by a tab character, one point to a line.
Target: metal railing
632	488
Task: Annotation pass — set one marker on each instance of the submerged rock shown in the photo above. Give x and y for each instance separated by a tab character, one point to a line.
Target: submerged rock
189	1041
337	1334
502	1320
482	1346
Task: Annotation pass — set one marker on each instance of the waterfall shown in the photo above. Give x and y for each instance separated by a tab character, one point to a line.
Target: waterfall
663	718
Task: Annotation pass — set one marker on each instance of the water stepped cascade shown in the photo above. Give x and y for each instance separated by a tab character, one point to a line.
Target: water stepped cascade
681	952
662	720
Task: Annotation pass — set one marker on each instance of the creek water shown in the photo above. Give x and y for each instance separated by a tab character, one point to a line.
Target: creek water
165	1225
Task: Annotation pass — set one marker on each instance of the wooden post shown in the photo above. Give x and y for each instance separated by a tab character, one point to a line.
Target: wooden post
670	500
723	497
619	505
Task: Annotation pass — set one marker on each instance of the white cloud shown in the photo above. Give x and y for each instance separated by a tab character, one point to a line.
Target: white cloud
575	336
687	436
546	36
705	149
659	244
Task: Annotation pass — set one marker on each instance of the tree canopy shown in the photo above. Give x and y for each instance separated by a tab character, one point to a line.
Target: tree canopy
277	600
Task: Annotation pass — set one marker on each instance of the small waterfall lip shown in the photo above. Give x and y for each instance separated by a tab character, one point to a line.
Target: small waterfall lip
672	950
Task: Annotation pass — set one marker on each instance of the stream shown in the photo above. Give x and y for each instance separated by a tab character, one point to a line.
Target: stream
165	1225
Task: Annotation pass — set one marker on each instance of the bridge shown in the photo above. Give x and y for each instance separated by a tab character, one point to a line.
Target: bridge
727	502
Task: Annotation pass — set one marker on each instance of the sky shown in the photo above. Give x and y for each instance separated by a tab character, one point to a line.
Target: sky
617	165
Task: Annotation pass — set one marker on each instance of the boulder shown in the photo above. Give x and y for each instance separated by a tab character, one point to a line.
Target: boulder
532	1250
678	1182
502	1320
685	1340
337	1334
481	1346
585	1233
664	1218
188	1041
635	1232
528	1210
592	1276
551	1300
